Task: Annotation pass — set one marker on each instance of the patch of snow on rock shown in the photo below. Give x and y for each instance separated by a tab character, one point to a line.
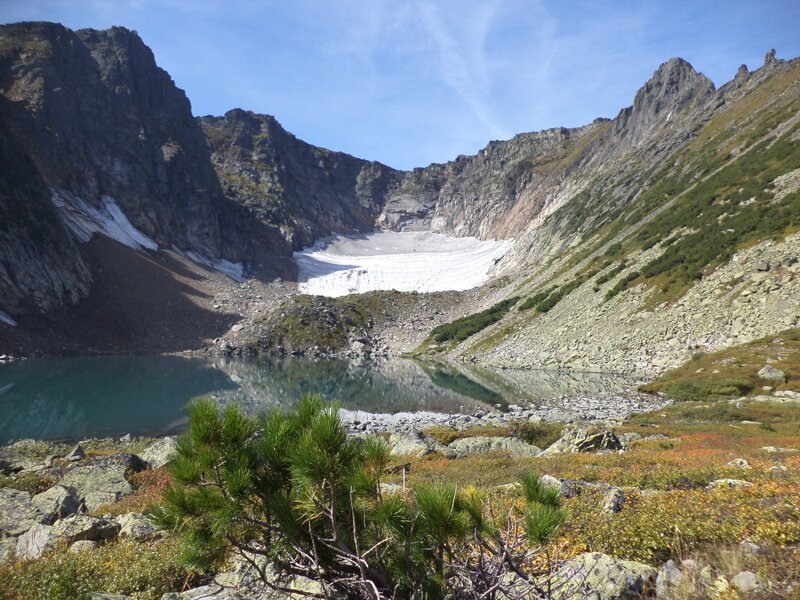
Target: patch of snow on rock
233	270
403	261
6	318
84	220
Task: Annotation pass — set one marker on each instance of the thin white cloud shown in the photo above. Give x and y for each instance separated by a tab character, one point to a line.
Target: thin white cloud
463	62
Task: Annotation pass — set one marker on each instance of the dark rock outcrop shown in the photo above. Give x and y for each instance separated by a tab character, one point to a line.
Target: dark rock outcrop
90	114
300	191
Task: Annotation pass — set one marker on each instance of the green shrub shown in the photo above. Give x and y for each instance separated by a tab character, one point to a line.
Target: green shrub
296	490
704	389
462	328
537	434
536	299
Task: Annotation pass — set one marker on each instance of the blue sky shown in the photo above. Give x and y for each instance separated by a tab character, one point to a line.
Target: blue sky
409	82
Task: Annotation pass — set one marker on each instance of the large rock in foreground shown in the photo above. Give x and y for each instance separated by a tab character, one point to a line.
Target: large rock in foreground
161	452
17	512
104	475
483	444
57	502
598	576
584	439
415	444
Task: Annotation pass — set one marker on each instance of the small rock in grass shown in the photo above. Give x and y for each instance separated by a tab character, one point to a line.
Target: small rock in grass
746	582
731	483
77	453
668	577
613	500
777	471
136	526
720	585
772	373
739	462
82	546
750	549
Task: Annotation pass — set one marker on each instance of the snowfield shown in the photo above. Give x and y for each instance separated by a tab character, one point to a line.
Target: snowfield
403	261
84	220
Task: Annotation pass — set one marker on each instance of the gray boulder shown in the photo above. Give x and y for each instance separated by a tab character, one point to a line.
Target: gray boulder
602	577
7	548
11	461
17	513
96	499
36	541
161	452
613	500
82	546
136	526
746	582
107	474
627	439
771	373
738	462
212	591
669	576
728	483
57	502
584	439
84	527
482	444
415	444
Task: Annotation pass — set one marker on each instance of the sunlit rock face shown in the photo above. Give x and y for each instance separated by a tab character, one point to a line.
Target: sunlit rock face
403	261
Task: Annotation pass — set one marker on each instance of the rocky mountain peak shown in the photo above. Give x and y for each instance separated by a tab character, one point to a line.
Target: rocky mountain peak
675	87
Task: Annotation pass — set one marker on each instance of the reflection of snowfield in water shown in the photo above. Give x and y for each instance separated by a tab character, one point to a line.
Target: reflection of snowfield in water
403	261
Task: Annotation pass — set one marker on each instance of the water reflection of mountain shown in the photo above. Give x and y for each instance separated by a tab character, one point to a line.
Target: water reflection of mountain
114	395
529	386
395	385
391	385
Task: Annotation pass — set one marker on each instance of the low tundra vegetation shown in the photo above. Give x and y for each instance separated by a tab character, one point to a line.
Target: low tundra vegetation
733	372
275	491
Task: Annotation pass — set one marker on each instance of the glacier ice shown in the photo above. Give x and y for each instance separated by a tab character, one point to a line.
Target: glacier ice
84	220
404	261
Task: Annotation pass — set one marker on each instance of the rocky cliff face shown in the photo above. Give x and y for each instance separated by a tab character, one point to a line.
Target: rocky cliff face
40	263
299	191
108	131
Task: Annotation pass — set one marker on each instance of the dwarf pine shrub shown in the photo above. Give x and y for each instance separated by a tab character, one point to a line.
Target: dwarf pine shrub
295	491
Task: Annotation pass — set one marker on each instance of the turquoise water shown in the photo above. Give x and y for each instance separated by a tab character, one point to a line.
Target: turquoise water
71	398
